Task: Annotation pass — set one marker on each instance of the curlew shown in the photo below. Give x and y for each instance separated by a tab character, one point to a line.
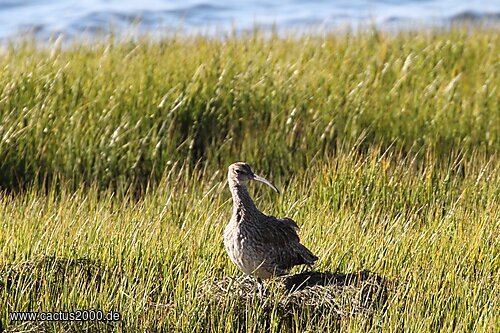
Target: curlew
260	245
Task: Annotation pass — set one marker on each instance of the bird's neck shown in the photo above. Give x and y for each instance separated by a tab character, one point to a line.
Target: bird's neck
241	199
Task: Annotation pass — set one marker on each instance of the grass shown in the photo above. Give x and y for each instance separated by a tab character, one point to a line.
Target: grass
120	113
113	159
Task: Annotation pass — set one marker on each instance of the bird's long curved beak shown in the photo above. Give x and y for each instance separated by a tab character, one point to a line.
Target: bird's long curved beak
265	181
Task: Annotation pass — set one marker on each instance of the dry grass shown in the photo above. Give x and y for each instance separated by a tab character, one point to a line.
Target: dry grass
319	293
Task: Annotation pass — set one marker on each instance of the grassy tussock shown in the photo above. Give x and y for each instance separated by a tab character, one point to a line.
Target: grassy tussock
385	149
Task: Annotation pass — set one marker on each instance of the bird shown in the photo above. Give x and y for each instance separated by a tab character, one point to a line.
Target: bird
260	245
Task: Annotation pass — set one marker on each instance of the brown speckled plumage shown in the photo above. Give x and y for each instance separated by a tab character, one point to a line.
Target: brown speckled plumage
258	244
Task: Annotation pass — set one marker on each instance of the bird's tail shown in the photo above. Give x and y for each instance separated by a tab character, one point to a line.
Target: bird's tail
308	257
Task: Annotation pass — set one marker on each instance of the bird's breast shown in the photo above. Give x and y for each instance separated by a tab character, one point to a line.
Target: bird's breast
240	249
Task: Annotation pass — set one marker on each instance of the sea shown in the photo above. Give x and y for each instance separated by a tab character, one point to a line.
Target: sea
51	18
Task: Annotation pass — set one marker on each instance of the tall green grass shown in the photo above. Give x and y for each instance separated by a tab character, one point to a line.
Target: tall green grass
385	148
121	112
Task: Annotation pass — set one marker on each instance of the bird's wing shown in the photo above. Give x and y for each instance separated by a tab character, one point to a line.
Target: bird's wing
280	231
283	243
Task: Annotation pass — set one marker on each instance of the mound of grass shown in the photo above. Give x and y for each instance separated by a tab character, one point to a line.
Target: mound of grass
322	294
52	277
58	273
121	113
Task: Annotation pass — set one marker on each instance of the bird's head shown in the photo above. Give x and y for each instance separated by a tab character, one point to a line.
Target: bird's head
240	173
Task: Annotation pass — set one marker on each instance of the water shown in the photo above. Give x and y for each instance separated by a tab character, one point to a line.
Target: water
46	18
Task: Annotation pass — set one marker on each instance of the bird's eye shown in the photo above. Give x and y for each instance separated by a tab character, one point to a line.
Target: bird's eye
237	171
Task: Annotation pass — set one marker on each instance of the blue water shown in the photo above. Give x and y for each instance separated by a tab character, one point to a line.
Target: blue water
46	18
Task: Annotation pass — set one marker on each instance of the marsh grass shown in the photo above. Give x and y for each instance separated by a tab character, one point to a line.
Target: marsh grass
433	229
385	149
119	113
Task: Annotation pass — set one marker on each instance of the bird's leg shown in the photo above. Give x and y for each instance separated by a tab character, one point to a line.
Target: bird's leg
260	286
